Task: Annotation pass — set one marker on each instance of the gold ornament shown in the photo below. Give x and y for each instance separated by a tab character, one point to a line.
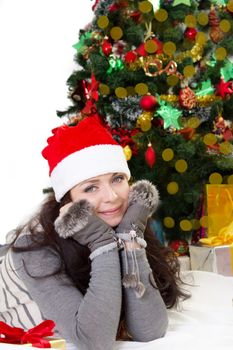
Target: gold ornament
156	64
167	154
210	139
116	33
121	92
189	71
150	46
161	15
104	89
127	152
193	122
169	48
215	178
169	222
202	18
230	5
149	63
172	80
144	121
141	89
220	53
201	38
172	187
197	52
225	25
181	166
190	21
225	147
145	6
103	22
186	225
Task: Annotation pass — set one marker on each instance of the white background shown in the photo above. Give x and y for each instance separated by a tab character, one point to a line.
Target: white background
36	58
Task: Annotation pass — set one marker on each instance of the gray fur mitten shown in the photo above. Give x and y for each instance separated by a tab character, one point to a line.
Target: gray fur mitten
81	223
143	201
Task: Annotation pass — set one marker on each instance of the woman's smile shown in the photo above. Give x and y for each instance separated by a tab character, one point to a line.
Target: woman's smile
110	211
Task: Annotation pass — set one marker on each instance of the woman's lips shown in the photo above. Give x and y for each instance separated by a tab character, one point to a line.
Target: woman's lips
110	211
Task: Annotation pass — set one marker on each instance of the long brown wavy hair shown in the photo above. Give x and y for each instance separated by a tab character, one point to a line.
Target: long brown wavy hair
75	260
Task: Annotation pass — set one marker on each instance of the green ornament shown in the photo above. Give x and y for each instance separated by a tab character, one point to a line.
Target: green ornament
170	116
227	71
206	88
115	64
212	62
80	46
181	2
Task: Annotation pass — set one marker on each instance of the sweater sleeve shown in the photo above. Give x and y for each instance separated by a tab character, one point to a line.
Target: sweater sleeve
90	321
146	317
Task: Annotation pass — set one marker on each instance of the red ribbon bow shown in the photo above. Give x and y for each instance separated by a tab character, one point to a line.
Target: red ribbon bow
91	94
35	335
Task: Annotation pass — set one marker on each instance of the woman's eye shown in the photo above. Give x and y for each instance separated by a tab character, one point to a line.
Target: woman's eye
90	189
118	178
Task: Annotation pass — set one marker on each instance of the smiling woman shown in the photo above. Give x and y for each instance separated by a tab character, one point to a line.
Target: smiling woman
88	241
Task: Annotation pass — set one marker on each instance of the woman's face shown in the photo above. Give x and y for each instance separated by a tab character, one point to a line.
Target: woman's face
108	194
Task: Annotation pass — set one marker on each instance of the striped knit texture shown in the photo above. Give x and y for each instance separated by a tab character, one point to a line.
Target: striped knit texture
16	306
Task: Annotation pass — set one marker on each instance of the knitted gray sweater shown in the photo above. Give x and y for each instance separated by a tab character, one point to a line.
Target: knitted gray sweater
91	321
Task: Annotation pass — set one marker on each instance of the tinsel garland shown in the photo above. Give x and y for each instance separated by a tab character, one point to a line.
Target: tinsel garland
126	110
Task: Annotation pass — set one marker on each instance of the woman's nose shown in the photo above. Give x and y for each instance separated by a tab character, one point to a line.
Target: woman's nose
109	194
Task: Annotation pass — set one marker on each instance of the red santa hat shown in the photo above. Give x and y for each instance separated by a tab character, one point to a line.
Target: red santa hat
77	153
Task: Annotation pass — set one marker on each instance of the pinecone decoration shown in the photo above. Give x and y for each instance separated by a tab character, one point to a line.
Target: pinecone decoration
216	33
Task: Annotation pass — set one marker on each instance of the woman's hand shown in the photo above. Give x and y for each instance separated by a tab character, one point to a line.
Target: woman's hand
64	209
78	220
143	201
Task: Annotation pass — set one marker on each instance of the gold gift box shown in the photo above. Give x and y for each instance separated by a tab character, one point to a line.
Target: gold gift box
219	200
55	343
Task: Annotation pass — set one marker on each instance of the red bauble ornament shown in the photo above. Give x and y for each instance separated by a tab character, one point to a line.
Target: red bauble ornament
107	48
142	52
190	33
180	247
113	8
148	102
130	56
150	156
135	15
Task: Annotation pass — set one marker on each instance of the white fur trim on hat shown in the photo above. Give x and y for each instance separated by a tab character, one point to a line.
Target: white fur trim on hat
85	164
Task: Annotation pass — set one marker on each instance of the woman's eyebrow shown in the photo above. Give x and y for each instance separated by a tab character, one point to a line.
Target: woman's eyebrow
89	181
94	180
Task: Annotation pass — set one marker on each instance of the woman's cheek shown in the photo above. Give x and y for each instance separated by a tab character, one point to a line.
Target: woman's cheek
92	201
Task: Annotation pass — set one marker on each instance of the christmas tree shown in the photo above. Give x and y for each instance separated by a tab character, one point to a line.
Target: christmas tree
160	75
